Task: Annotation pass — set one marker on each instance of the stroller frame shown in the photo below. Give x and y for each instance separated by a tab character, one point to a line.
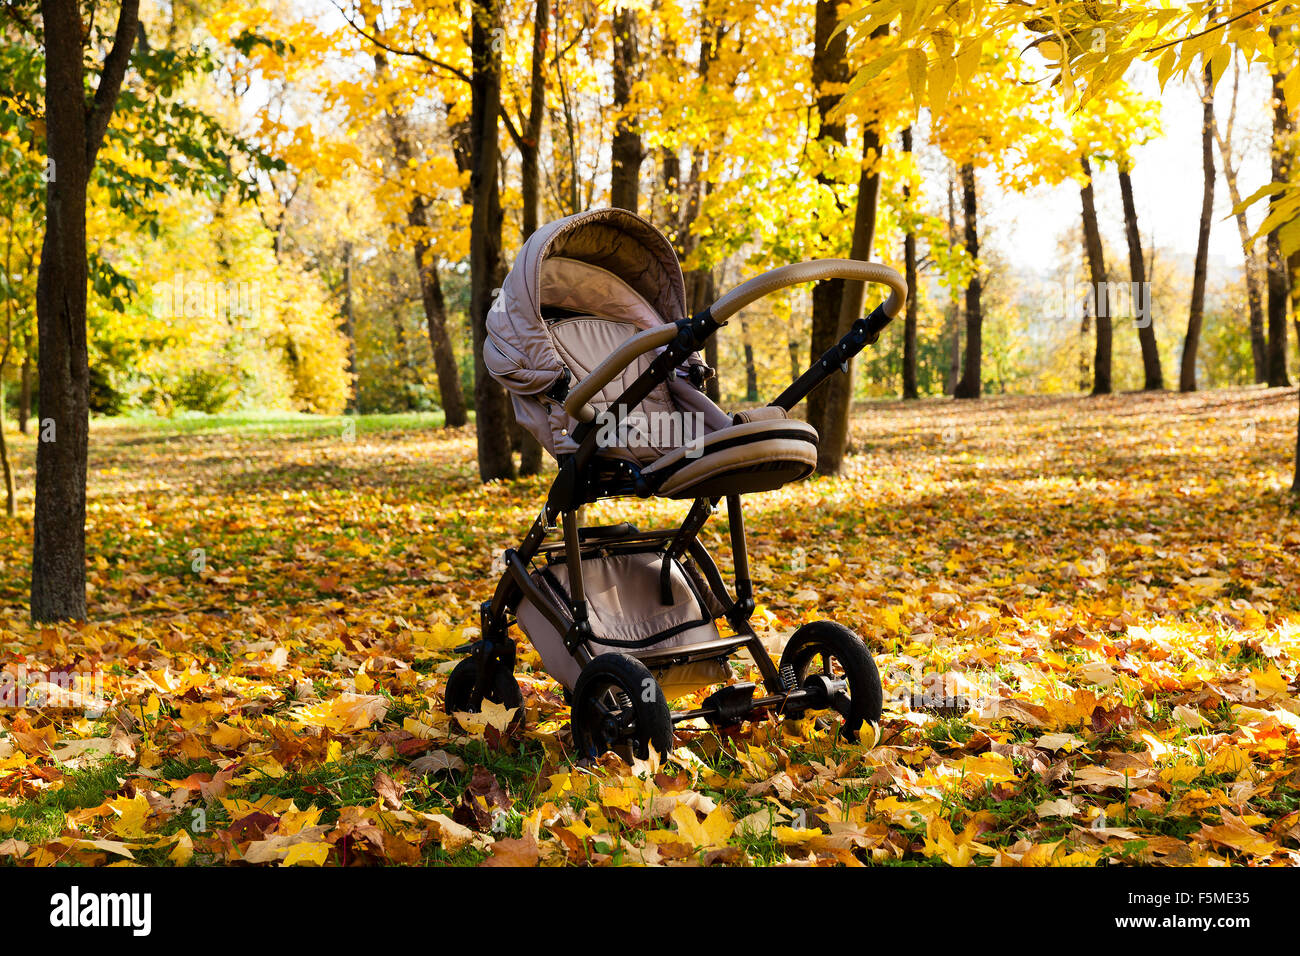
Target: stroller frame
583	478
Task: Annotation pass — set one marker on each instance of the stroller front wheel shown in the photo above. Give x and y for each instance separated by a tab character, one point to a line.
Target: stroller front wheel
828	654
618	704
503	689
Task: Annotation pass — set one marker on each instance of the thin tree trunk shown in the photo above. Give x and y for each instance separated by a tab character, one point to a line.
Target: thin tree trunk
751	370
529	448
970	385
1097	273
1254	270
1196	314
74	134
701	285
625	179
1295	482
444	358
491	406
839	388
350	327
952	318
1278	277
830	73
25	384
1152	374
529	177
1085	329
568	186
1293	284
702	291
11	503
909	268
426	269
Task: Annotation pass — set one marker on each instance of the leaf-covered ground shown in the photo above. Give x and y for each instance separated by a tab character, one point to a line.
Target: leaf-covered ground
1086	613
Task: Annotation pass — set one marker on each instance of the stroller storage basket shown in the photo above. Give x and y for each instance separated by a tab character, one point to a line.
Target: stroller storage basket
625	610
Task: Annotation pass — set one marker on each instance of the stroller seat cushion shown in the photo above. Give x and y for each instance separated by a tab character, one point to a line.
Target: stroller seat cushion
744	458
582	342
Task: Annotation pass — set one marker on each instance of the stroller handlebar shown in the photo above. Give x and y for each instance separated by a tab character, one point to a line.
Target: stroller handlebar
815	269
577	402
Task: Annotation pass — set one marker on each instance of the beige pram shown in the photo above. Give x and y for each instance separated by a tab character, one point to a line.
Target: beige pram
590	336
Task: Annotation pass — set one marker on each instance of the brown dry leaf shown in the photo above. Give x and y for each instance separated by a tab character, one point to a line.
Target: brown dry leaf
435	762
389	790
521	852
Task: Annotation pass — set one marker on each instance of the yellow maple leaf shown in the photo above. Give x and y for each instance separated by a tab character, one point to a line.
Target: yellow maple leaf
954	849
1269	682
307	854
183	850
132	813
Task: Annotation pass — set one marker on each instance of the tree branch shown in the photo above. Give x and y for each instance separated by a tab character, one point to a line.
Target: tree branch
1211	29
398	51
111	77
511	129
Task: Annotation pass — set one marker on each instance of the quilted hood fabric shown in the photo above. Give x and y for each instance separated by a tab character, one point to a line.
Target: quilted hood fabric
613	267
621	246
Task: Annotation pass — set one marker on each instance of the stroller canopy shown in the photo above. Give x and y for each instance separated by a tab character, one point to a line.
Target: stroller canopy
606	262
579	288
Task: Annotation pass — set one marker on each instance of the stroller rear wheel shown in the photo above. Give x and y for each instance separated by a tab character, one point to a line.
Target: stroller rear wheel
618	704
829	655
503	690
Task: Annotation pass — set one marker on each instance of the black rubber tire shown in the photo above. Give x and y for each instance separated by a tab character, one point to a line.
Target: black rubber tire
652	722
460	689
866	697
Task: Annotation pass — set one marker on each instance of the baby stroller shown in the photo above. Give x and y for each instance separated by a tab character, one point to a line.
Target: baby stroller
591	337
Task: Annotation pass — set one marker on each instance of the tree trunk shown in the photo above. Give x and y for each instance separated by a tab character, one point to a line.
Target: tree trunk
444	358
701	286
350	327
1085	327
751	370
1277	292
5	465
952	317
1278	278
830	73
529	448
1097	273
625	179
74	134
11	504
1253	269
909	268
491	406
1152	375
25	385
529	174
1295	481
1196	314
1293	284
426	270
701	290
1255	303
970	386
839	388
